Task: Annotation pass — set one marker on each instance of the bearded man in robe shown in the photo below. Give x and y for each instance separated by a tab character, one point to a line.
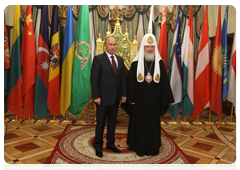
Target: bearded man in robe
149	94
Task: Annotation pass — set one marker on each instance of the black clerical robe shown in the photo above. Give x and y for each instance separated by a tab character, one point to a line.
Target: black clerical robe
151	101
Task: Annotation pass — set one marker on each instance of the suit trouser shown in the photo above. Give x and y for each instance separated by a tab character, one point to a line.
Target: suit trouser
102	113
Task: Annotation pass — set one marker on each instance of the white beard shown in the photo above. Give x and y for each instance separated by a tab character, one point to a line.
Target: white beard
149	57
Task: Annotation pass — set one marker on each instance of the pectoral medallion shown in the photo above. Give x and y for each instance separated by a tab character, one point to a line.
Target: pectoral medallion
148	78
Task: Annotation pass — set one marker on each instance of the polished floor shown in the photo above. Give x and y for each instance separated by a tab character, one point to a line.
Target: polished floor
204	144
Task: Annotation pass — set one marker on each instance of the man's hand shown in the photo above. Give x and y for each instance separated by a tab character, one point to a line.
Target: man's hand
124	99
98	101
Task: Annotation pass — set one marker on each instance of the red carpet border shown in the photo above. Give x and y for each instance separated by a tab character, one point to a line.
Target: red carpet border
75	147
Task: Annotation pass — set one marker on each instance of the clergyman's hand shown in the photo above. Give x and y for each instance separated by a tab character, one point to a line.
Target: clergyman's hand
97	101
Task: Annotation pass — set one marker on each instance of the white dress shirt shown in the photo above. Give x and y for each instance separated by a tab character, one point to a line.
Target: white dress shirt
110	59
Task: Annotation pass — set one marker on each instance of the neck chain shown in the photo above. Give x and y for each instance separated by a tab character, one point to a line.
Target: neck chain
148	77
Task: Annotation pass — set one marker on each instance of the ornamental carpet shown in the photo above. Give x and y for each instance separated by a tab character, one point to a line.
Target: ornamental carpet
75	146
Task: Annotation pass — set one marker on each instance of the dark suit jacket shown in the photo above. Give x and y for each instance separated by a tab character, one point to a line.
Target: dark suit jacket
105	84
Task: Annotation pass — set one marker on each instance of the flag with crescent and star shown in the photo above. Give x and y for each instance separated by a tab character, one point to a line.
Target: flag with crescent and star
81	87
28	55
216	71
41	90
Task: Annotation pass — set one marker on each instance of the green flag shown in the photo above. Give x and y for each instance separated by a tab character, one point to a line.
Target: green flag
81	87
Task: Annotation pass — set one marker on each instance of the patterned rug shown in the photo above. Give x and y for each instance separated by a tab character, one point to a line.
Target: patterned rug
75	146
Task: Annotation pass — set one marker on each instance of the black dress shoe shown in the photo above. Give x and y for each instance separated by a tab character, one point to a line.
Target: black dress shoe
99	153
114	149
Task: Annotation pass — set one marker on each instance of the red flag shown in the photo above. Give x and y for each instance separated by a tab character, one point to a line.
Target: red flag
162	45
201	84
53	98
216	71
232	75
14	101
28	64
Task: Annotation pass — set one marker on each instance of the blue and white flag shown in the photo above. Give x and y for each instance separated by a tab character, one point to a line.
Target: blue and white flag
151	22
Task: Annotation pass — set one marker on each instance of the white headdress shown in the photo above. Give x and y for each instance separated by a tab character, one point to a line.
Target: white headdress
148	39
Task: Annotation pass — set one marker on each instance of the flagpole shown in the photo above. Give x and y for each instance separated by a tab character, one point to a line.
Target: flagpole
41	121
16	120
5	119
231	113
82	122
54	121
162	123
220	123
173	123
185	123
29	121
231	123
197	123
66	122
5	128
209	122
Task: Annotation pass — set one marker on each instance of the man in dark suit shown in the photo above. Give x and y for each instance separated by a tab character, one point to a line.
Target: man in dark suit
108	82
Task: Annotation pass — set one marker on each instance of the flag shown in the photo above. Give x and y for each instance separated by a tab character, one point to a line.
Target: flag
201	83
37	27
231	96
41	90
53	98
28	54
216	71
151	21
188	69
92	34
185	40
67	63
172	52
6	64
175	71
6	47
224	56
81	87
14	101
162	45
